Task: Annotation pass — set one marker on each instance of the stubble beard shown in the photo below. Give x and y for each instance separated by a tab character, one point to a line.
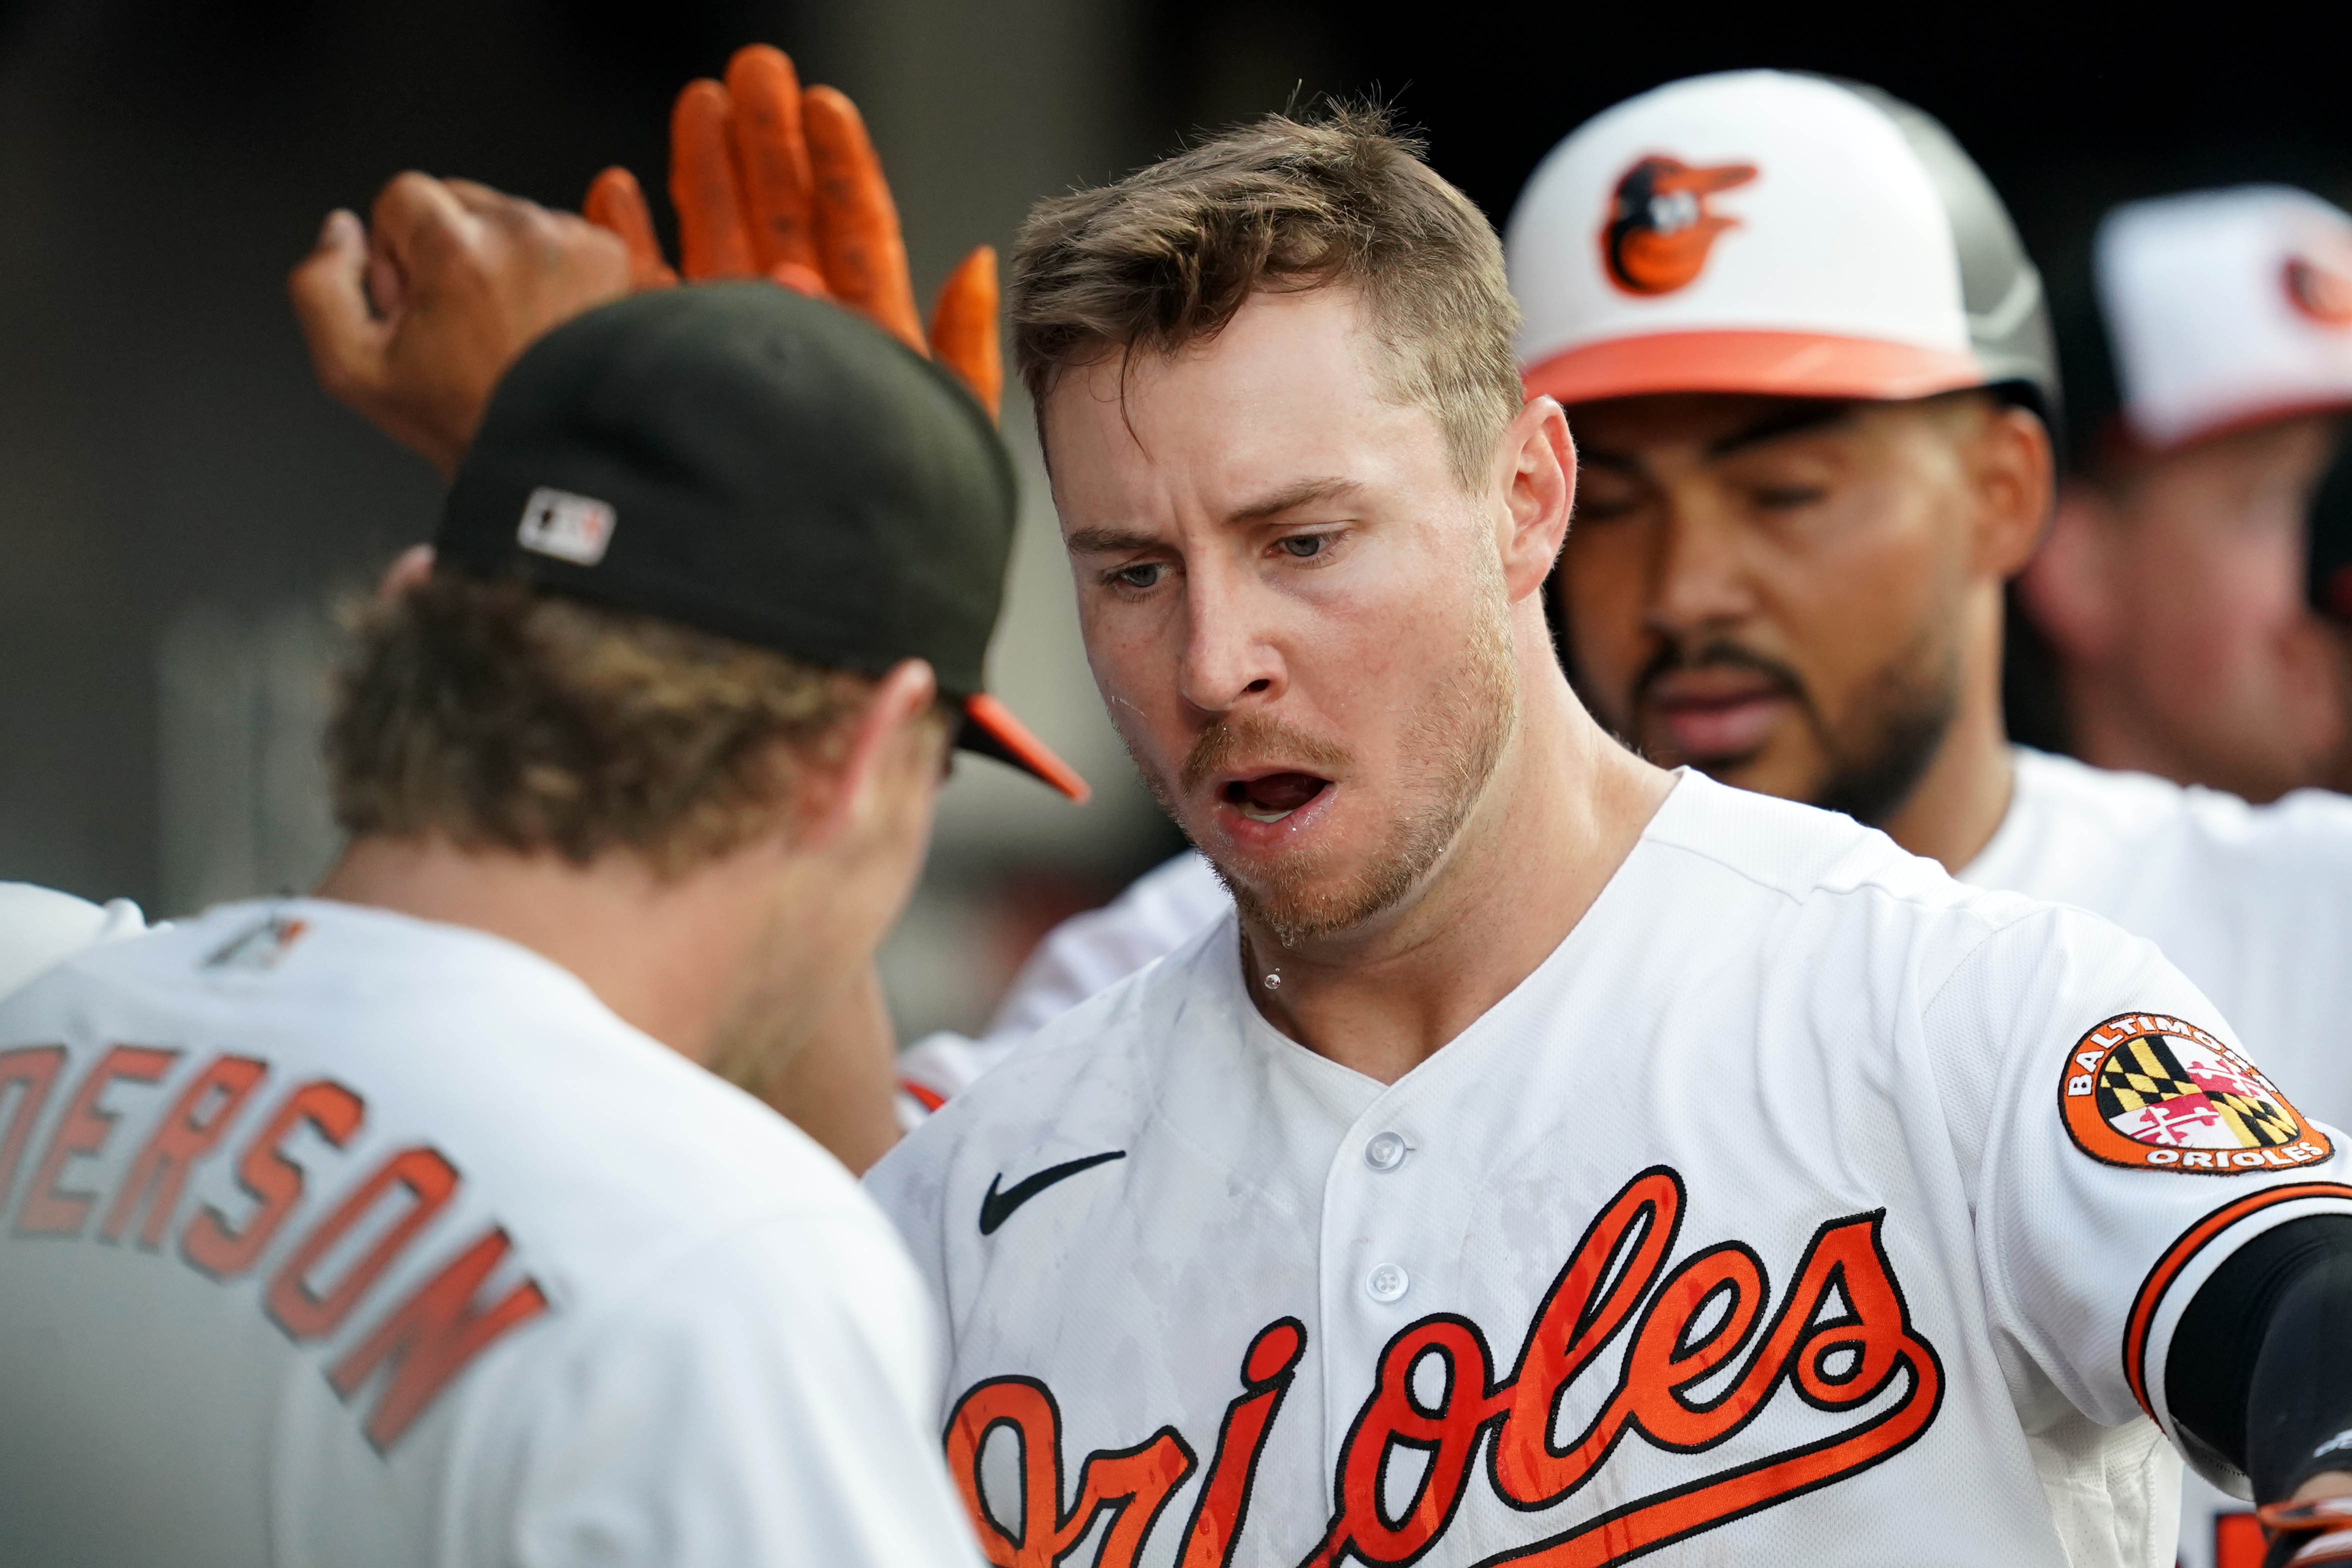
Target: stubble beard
1872	764
1457	737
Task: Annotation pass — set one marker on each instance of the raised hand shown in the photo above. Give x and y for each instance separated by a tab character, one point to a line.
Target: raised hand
770	180
412	317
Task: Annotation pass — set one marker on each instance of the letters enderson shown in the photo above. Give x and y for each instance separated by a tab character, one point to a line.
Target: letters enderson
1834	1364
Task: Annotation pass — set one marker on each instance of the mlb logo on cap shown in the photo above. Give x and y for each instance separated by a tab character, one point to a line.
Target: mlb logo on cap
2226	309
571	528
1763	231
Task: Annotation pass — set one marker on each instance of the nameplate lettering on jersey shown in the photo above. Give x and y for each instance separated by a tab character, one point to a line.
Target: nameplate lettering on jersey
331	1272
1841	1338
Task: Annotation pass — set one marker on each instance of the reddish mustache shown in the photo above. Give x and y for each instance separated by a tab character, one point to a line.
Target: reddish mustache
1254	734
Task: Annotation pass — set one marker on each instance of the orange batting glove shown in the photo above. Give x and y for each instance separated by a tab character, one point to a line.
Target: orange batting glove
2308	1530
770	180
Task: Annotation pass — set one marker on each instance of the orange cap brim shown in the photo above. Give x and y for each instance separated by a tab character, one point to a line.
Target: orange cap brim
990	729
1779	364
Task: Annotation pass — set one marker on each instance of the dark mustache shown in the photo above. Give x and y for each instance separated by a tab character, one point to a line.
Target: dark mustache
1718	653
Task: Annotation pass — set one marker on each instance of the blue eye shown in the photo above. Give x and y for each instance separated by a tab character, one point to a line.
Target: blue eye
1145	576
1305	546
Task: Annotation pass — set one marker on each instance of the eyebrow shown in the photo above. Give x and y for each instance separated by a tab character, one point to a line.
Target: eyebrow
1108	541
1306	492
1797	418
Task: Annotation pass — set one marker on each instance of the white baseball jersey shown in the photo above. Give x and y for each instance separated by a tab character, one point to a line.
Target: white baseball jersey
1803	1206
40	928
2251	903
2254	904
337	1238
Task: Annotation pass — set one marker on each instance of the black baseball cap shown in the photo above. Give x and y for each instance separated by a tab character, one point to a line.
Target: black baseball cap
744	460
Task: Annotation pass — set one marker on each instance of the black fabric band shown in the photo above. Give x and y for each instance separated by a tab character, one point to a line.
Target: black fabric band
2258	1370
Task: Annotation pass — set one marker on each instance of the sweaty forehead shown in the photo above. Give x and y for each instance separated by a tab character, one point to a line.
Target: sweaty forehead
1290	390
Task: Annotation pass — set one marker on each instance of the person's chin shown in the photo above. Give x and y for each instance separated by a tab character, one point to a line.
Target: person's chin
1770	771
1287	866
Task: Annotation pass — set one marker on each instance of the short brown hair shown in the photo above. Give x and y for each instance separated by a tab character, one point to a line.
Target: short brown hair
507	719
1167	255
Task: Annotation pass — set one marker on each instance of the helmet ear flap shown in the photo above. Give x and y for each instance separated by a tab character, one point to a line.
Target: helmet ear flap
2001	288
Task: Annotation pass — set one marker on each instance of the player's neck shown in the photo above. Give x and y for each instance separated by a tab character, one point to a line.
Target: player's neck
1564	808
665	953
1957	804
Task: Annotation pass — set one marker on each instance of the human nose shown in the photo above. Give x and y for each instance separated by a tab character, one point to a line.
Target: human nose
1699	577
1229	658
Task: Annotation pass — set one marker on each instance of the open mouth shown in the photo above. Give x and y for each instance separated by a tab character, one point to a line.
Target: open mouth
1273	796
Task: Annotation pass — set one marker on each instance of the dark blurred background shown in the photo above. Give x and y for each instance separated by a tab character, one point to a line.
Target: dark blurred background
179	505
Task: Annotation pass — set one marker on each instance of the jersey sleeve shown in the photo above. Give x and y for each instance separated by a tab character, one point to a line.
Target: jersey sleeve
40	929
769	1399
2119	1141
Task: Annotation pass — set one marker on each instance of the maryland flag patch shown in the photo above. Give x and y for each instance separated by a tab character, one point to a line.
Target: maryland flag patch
2157	1093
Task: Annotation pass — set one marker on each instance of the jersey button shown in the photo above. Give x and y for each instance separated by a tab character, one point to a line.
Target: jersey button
1386	1150
1386	1283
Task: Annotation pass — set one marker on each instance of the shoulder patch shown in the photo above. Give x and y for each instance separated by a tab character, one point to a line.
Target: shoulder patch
2156	1093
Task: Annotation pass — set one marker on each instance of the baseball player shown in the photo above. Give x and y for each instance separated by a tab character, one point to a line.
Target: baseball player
2213	480
766	181
2250	903
1552	1159
1698	600
415	1221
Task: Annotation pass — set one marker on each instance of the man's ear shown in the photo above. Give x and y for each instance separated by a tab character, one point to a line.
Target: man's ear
887	734
2069	588
410	567
1538	471
2014	478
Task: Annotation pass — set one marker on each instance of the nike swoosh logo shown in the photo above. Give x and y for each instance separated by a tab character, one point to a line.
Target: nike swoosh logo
996	1207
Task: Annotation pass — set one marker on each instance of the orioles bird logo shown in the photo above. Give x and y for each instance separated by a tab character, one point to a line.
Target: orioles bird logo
1659	229
2320	292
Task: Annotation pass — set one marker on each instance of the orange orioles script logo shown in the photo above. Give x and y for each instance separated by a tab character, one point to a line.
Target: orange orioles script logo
1660	228
1710	1312
2156	1093
2320	292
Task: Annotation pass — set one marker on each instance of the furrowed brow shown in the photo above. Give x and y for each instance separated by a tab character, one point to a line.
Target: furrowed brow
1108	541
1306	492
